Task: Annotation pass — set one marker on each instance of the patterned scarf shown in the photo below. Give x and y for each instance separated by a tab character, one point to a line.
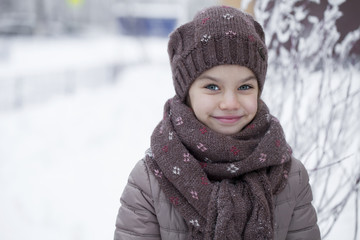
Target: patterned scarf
221	185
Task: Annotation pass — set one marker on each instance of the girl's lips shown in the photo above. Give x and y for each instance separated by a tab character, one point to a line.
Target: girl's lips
227	119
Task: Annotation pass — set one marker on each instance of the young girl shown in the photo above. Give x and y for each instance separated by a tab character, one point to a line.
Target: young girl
219	166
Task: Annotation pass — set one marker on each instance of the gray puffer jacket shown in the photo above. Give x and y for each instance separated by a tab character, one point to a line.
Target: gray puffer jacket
146	213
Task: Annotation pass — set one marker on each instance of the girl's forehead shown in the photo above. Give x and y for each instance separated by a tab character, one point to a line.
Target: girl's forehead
218	73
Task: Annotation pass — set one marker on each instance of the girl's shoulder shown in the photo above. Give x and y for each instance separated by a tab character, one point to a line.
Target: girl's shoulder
139	177
298	181
144	180
298	172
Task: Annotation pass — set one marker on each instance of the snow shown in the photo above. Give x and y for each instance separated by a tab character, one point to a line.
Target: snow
64	162
28	56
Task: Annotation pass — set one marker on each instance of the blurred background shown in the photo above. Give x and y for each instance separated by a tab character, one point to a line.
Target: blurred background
83	84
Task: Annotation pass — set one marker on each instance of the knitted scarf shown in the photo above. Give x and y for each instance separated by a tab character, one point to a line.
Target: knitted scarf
221	185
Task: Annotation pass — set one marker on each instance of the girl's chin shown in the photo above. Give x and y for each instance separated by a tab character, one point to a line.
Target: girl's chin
227	130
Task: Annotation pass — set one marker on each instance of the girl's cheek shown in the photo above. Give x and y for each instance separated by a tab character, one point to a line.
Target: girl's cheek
252	104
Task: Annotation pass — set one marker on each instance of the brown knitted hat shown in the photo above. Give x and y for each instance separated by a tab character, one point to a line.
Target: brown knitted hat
217	35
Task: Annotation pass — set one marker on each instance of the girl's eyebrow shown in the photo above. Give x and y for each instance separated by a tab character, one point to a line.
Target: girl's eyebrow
252	77
205	77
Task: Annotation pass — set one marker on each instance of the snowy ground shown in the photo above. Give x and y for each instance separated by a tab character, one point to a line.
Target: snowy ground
65	161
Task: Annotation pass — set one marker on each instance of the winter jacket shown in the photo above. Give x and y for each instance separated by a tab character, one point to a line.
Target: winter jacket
146	212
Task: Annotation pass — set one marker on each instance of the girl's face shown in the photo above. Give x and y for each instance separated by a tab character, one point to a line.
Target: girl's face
225	98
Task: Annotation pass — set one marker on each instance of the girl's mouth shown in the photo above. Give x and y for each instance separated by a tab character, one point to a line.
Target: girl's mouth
227	119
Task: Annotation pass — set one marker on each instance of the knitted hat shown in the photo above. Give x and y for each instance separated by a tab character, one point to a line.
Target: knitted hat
216	36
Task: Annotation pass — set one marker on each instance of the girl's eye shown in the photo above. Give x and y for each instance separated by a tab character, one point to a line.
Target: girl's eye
212	87
244	87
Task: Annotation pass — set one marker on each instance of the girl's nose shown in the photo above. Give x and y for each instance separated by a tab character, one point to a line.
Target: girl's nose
229	101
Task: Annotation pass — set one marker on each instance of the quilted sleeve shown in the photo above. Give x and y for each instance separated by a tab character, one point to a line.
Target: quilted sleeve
303	225
136	219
